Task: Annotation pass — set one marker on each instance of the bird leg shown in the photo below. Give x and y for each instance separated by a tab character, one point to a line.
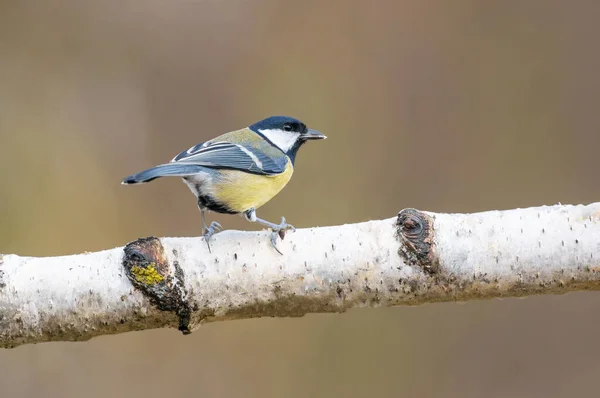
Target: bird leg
277	229
208	232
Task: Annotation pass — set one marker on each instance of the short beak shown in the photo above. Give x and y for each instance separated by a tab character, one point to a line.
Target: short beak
312	135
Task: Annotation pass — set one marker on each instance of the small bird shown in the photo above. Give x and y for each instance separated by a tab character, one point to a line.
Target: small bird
238	172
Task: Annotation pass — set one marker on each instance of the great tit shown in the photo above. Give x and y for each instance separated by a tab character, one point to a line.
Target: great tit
238	172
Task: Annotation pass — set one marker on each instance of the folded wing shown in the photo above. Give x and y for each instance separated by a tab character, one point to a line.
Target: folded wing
225	155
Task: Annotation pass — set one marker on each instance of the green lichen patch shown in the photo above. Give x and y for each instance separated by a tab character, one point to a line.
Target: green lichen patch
147	275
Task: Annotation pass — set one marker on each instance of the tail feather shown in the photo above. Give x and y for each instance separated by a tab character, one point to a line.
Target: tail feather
163	170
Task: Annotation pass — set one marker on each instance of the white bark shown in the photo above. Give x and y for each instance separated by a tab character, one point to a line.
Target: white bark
177	282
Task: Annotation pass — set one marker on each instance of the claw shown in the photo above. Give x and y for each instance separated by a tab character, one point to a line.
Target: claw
274	242
286	226
216	226
210	231
280	230
281	233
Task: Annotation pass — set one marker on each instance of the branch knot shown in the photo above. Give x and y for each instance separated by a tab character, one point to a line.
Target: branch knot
148	270
415	230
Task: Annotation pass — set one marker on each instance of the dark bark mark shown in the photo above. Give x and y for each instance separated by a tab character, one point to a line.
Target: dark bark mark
148	270
415	231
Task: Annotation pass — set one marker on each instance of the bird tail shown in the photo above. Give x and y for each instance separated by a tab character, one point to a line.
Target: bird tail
163	170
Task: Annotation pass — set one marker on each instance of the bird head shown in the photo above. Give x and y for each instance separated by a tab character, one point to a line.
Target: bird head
286	133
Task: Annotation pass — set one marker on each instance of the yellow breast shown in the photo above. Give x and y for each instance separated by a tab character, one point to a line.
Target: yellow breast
242	191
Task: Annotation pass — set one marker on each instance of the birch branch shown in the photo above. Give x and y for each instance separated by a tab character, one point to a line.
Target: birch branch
413	258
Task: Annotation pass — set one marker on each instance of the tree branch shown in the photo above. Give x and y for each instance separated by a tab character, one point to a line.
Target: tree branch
413	258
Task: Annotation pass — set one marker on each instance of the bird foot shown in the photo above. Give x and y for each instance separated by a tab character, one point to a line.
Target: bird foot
210	231
280	230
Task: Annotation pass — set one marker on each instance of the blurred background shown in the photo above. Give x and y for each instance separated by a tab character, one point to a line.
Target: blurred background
442	105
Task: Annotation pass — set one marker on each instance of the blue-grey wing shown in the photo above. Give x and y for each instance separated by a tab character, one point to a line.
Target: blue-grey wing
225	155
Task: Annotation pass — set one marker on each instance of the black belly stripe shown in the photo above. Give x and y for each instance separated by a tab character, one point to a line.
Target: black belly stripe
206	202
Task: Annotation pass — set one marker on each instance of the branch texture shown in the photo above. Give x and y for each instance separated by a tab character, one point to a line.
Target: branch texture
413	258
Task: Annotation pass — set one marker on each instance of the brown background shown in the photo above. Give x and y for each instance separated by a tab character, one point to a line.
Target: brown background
449	106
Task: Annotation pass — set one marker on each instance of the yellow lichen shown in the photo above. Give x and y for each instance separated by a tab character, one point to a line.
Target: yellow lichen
147	275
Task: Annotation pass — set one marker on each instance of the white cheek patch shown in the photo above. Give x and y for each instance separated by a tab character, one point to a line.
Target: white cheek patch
285	140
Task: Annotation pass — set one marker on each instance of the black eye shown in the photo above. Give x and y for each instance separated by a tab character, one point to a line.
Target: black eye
287	127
